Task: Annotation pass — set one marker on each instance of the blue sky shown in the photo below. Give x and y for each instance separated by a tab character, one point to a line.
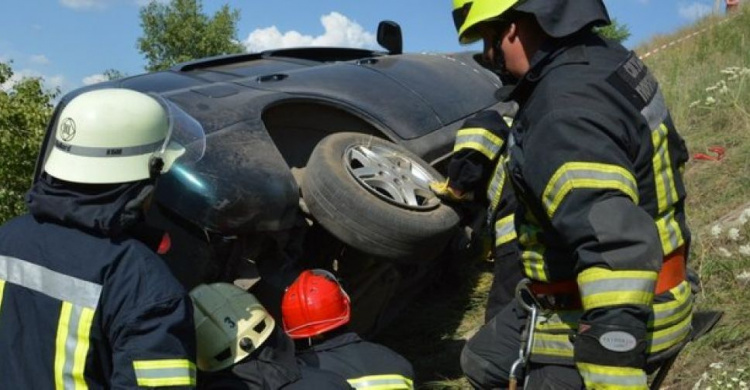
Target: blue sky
71	42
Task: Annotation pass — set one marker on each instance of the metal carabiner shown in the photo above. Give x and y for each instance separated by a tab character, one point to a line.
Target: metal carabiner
528	302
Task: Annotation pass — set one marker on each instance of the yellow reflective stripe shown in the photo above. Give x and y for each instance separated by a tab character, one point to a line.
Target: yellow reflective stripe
666	192
670	233
548	344
495	189
601	287
533	263
612	378
62	336
662	339
2	288
72	346
479	139
577	175
557	321
505	230
382	382
668	313
508	120
82	347
164	372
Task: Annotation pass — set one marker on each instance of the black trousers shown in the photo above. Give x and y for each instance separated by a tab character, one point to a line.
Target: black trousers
506	275
487	357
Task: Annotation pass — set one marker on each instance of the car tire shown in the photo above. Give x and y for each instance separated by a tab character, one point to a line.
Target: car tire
374	196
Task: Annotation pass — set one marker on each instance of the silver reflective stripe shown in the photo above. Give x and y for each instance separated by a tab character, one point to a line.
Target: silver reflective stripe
662	154
92	151
505	230
162	373
569	175
618	284
382	382
616	381
54	284
495	188
656	111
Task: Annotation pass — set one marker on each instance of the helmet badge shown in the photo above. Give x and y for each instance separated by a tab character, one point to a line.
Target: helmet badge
68	129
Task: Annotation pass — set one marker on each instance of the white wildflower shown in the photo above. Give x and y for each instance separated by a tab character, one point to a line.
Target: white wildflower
745	71
725	252
716	365
740	370
743	277
695	103
710	101
734	234
743	219
733	77
745	213
735	379
712	88
716	230
745	250
724	89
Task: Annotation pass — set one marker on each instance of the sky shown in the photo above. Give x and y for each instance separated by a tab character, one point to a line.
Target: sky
70	43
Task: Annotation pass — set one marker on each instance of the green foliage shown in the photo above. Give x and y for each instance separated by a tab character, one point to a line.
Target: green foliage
616	31
113	74
25	108
180	31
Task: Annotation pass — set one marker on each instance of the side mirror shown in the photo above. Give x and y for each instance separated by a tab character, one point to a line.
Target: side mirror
389	36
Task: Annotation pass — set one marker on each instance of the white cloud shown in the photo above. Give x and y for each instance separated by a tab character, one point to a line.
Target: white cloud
50	82
339	31
84	4
694	10
39	59
94	78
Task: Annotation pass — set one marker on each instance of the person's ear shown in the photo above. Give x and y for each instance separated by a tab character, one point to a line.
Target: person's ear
513	32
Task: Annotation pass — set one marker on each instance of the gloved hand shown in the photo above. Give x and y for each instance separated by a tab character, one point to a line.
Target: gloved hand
611	355
444	191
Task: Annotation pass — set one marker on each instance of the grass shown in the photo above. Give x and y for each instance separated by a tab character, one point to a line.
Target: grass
718	191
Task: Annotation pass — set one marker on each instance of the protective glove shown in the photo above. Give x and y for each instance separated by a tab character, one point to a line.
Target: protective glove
610	356
444	191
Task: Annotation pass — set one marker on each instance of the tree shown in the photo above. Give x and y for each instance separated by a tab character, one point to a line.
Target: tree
615	31
113	74
25	109
179	32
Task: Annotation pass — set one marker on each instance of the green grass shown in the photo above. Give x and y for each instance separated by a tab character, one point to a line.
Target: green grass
442	318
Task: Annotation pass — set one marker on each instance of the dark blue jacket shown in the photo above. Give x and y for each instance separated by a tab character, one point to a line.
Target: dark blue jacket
81	302
365	365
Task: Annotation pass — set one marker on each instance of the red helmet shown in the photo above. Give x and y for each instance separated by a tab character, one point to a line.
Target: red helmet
313	304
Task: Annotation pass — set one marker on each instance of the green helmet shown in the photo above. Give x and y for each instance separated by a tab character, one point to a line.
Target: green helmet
558	18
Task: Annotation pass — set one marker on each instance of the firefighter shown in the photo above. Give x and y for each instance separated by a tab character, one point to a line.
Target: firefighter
83	303
595	162
315	310
475	173
241	347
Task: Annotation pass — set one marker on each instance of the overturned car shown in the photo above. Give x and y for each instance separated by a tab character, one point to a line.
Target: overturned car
315	157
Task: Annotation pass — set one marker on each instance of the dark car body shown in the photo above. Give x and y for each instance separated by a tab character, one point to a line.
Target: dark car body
263	114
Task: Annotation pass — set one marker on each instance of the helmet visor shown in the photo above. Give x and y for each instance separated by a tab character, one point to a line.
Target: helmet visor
185	140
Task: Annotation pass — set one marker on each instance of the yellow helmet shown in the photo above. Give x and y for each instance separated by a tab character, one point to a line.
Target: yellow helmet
468	14
230	324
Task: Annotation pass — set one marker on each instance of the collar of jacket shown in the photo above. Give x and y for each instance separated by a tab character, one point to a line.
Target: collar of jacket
335	342
552	54
108	211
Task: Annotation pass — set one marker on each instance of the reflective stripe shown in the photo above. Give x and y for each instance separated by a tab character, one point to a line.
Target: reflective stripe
557	321
532	254
612	378
656	111
495	189
382	382
2	287
601	287
62	287
576	175
662	339
123	151
668	313
164	372
557	345
505	230
670	233
72	346
479	139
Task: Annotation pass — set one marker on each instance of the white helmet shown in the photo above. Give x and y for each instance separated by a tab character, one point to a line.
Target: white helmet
112	136
230	324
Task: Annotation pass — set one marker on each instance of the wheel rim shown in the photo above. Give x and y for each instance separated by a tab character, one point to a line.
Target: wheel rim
391	176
